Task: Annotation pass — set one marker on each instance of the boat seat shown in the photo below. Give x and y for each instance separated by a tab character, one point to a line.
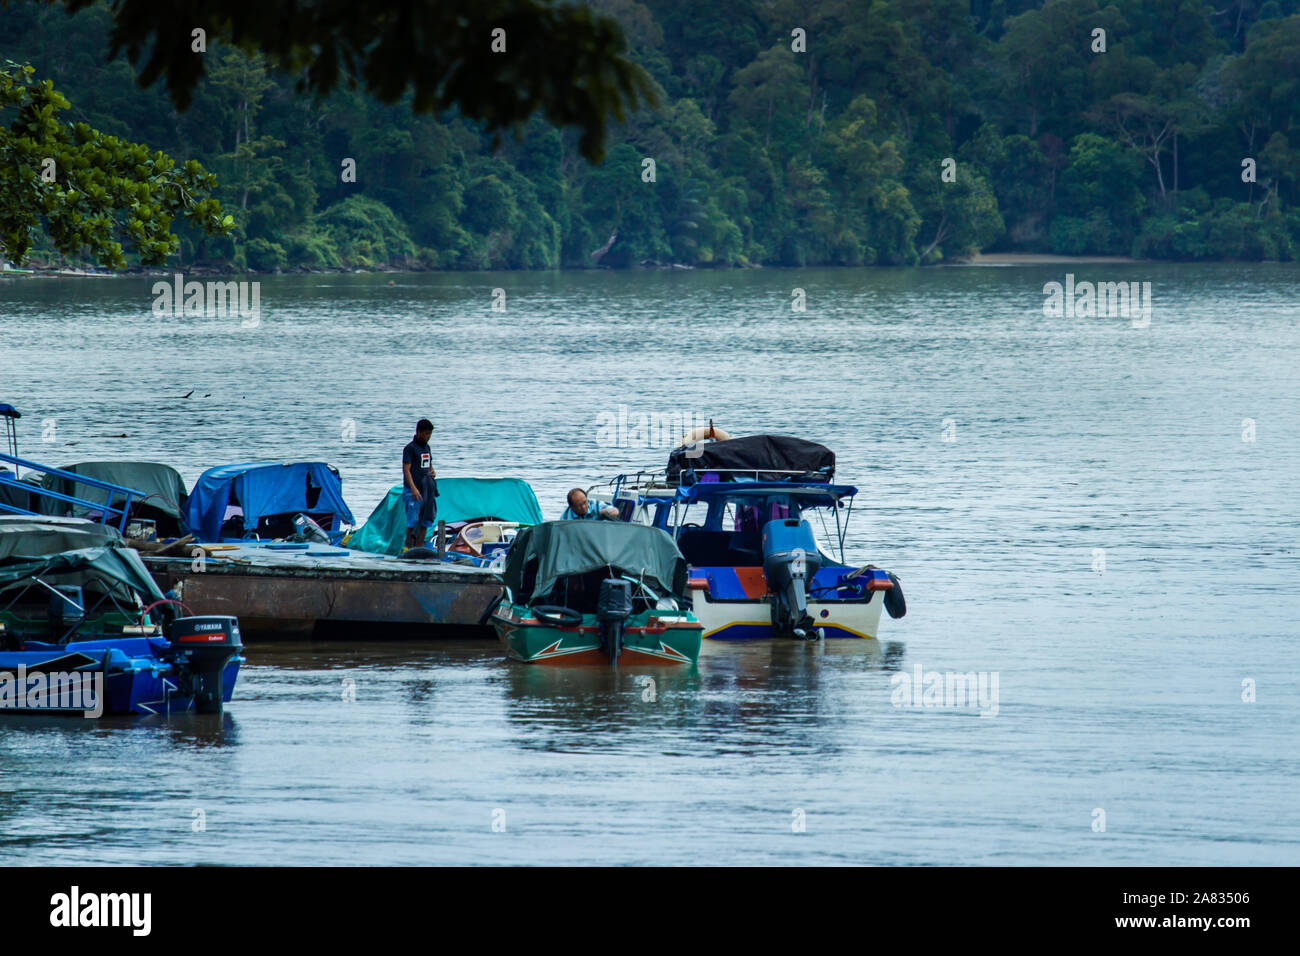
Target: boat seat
713	549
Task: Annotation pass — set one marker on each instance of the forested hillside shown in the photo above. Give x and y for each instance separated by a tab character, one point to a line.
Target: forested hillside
787	133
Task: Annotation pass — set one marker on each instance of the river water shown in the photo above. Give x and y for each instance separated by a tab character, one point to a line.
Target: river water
1100	517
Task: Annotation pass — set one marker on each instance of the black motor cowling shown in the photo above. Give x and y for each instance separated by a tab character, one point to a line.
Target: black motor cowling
613	608
202	647
790	561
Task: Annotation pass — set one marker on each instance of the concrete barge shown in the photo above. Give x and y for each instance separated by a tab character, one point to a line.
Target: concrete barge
325	591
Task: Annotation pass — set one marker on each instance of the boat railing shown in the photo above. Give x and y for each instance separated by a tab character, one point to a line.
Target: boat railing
107	509
655	483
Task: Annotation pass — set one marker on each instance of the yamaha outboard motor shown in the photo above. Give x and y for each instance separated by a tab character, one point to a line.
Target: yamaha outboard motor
309	530
613	608
790	559
201	648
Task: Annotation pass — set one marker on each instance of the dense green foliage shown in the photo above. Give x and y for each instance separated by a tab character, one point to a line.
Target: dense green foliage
762	153
81	190
565	60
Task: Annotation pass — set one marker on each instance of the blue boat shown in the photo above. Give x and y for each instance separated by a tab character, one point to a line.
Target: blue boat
743	512
84	628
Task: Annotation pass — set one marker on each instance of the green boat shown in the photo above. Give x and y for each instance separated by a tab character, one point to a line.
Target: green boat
596	592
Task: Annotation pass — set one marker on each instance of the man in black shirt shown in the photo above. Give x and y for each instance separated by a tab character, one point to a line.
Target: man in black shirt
419	490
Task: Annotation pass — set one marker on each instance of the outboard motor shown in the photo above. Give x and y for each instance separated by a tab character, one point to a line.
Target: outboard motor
202	647
613	608
790	559
309	530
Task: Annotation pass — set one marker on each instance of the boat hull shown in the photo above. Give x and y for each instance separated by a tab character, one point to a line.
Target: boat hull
751	619
97	678
648	638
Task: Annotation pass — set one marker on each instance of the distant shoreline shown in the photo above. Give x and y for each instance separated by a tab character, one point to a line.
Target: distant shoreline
979	259
1043	259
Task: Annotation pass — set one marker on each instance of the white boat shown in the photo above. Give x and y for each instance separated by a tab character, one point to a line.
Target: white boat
743	512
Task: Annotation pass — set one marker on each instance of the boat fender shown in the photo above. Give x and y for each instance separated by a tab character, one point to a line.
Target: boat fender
491	609
418	554
553	615
895	603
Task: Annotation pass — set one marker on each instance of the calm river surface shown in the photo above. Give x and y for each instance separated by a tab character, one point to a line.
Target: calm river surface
1121	672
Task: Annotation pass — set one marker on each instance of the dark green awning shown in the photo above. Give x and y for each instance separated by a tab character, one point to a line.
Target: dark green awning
160	484
34	537
564	548
33	547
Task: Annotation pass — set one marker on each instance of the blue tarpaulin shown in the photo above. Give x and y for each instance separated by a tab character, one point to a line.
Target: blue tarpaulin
262	488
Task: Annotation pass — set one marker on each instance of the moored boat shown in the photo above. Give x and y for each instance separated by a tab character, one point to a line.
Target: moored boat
480	518
156	509
268	499
84	628
742	511
274	552
595	591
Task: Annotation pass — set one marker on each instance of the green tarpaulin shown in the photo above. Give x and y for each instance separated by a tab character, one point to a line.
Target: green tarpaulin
63	546
162	486
558	549
459	499
24	537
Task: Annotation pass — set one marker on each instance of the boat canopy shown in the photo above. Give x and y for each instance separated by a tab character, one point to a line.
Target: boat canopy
22	536
810	494
543	554
752	458
32	547
459	499
263	488
161	485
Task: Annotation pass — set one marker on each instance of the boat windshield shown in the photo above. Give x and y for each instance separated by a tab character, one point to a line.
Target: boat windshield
723	527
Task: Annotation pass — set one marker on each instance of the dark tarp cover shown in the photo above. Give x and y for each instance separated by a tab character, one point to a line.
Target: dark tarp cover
161	485
36	546
24	537
262	488
564	548
459	499
750	455
19	496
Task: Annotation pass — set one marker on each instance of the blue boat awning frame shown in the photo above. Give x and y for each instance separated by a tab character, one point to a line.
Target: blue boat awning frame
106	508
727	489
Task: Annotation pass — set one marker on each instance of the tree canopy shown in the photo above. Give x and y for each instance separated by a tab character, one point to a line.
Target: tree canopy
773	132
86	190
563	60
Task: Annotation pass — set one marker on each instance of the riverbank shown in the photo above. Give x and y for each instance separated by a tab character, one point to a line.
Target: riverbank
1043	259
980	259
